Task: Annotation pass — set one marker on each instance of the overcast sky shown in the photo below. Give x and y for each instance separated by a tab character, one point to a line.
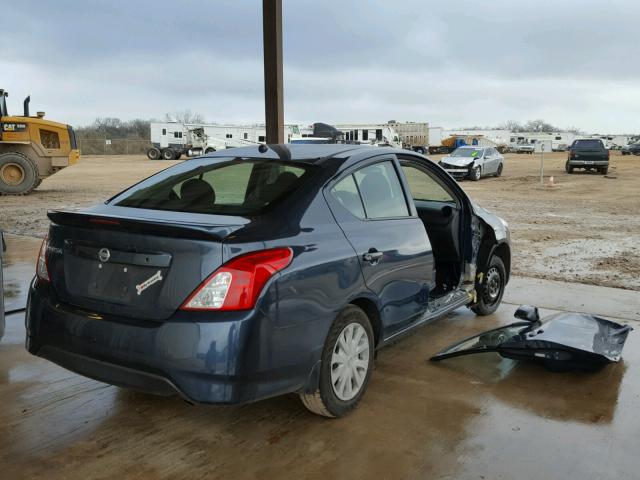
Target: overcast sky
451	63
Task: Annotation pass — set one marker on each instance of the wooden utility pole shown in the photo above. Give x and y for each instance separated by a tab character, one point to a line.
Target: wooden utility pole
272	41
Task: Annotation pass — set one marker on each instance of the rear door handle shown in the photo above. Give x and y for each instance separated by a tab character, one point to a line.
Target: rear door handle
373	256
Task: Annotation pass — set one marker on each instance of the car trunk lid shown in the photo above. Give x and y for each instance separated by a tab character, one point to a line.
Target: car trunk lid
136	263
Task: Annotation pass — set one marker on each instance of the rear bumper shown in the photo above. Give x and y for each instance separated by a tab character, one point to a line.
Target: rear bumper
588	163
225	361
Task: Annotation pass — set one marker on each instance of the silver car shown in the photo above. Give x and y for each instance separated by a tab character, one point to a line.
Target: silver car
473	162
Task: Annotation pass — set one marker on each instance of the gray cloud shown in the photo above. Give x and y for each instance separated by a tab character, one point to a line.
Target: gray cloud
451	63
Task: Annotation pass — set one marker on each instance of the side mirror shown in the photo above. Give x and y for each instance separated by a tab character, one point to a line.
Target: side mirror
528	313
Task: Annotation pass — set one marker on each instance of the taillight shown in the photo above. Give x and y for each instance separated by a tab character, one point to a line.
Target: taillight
237	284
42	268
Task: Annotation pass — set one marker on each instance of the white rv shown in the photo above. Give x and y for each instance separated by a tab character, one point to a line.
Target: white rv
171	140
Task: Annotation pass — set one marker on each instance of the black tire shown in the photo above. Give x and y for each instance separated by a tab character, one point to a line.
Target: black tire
324	400
637	152
499	172
153	153
420	150
476	174
604	170
18	174
168	154
568	168
210	150
177	156
490	295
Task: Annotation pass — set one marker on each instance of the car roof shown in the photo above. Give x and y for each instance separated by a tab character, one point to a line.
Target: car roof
309	153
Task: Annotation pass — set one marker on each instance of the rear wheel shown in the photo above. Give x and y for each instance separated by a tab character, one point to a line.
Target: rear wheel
568	168
420	150
18	174
491	289
499	171
345	367
153	154
168	154
210	150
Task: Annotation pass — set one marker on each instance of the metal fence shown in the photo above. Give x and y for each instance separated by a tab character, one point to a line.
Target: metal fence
105	146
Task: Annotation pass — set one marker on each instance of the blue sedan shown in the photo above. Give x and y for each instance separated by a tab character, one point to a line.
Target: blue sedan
261	271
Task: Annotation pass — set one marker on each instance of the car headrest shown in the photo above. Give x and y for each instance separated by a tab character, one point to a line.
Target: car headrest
198	193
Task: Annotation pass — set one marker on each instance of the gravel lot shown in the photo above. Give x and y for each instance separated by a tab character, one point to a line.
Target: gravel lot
585	228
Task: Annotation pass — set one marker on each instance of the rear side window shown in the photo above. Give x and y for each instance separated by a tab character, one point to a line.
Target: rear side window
237	186
346	192
381	191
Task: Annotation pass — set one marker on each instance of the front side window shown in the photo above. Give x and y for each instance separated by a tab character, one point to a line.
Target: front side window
49	139
424	187
381	191
232	186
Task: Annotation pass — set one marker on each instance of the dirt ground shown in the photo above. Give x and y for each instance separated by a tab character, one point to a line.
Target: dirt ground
583	228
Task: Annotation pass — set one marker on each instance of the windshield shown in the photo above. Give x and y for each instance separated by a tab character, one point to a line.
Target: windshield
587	145
467	152
230	186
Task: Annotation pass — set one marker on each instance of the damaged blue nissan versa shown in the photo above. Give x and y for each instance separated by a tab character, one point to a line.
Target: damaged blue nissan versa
260	271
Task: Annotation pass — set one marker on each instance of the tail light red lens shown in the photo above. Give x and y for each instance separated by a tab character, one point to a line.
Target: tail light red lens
237	284
42	267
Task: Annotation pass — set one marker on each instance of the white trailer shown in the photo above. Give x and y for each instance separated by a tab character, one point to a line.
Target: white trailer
499	137
370	133
560	141
171	140
436	135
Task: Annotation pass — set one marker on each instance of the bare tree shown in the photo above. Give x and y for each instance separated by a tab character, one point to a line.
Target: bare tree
539	126
511	125
184	116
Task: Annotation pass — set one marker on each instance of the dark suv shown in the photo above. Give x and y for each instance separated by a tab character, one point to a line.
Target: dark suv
588	153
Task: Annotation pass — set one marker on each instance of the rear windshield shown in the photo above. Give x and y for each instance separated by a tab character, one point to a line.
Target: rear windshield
587	145
231	186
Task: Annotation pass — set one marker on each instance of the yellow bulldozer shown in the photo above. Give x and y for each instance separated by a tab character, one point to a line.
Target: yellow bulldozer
32	148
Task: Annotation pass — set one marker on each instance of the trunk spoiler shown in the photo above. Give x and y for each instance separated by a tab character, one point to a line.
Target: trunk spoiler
199	231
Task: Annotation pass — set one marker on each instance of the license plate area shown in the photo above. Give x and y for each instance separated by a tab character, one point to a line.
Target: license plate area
114	276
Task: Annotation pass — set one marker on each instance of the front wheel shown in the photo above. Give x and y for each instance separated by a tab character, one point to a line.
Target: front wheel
491	289
476	174
345	366
499	171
